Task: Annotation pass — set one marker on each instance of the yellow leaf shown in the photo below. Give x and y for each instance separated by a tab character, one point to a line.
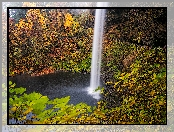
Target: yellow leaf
118	89
161	103
109	82
122	74
152	92
131	117
116	84
13	109
154	76
28	111
122	78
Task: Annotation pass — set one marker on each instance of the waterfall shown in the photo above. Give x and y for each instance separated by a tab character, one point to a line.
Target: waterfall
97	50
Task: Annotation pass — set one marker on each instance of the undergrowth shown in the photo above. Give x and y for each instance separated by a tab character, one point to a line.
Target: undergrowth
142	88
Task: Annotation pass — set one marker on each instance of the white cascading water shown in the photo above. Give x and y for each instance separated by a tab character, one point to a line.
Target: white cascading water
96	50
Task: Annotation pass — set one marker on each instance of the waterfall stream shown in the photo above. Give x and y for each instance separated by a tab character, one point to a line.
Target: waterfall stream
97	50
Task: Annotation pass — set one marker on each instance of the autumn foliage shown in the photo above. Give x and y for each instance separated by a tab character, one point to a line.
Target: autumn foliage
49	39
134	73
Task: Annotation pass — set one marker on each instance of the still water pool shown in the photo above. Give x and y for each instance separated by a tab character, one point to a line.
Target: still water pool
58	85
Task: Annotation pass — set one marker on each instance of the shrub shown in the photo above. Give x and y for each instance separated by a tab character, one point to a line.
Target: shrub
35	108
47	39
141	89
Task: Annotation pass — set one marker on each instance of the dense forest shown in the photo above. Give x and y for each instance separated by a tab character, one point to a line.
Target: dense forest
42	41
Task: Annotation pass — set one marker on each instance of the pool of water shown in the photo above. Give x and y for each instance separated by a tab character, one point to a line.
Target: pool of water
58	85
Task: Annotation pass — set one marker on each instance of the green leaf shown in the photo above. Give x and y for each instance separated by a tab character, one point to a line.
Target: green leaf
11	101
98	89
20	90
160	75
157	65
61	100
44	115
10	83
59	103
11	90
